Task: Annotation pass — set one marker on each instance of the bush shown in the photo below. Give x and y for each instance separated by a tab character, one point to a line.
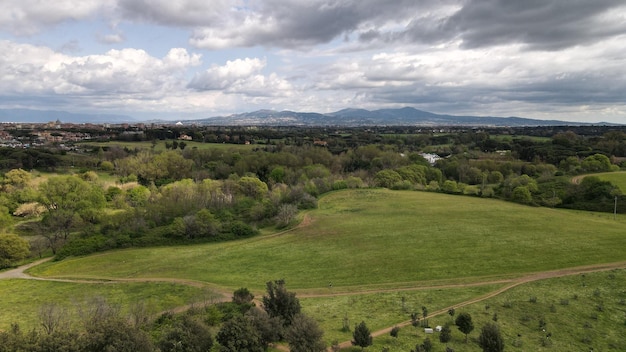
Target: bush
83	246
241	229
12	249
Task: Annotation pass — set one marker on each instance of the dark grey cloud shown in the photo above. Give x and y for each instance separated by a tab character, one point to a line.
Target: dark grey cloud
292	24
539	24
186	13
573	91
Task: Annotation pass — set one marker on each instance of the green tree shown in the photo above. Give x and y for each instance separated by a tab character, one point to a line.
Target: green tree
450	186
12	249
252	187
17	178
281	303
446	334
387	178
521	194
464	323
451	312
596	163
71	202
242	296
269	329
305	335
361	336
187	335
277	174
490	339
239	334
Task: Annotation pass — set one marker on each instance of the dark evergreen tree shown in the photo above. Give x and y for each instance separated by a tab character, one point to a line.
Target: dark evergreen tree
362	336
446	334
464	323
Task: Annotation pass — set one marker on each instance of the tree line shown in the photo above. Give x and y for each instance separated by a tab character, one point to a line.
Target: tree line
195	194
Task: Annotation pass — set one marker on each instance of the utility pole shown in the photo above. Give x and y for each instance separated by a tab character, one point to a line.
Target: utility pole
615	209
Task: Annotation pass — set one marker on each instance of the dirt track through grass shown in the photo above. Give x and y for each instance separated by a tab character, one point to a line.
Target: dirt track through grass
511	283
309	234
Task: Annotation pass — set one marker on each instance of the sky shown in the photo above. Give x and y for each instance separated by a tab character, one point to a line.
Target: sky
173	59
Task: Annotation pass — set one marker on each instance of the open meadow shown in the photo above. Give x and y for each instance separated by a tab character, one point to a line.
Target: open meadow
364	252
22	299
585	312
364	239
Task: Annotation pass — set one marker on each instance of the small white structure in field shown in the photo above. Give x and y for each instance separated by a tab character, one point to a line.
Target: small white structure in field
428	330
438	328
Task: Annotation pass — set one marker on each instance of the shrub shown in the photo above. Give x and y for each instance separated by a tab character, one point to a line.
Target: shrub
241	229
394	331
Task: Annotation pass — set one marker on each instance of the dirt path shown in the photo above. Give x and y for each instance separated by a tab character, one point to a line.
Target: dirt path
18	273
514	283
576	179
222	295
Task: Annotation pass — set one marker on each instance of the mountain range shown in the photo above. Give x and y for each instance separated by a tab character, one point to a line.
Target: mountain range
406	116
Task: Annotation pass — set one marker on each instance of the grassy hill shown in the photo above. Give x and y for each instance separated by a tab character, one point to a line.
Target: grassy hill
388	253
380	238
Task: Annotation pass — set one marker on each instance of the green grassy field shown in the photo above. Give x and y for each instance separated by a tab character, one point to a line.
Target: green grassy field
363	240
22	299
580	312
383	309
379	238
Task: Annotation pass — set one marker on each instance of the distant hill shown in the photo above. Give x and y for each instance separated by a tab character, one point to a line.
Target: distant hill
43	116
347	118
384	117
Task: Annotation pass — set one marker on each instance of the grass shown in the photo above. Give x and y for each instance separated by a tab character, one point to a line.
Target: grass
381	310
22	299
360	240
363	239
569	307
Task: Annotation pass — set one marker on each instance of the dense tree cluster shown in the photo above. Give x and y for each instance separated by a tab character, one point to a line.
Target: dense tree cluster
185	194
240	326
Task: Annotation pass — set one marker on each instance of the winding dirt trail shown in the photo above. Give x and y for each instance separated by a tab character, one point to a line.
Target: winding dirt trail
19	272
513	283
223	295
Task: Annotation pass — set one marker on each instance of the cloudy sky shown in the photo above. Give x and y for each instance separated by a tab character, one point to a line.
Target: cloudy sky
545	59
